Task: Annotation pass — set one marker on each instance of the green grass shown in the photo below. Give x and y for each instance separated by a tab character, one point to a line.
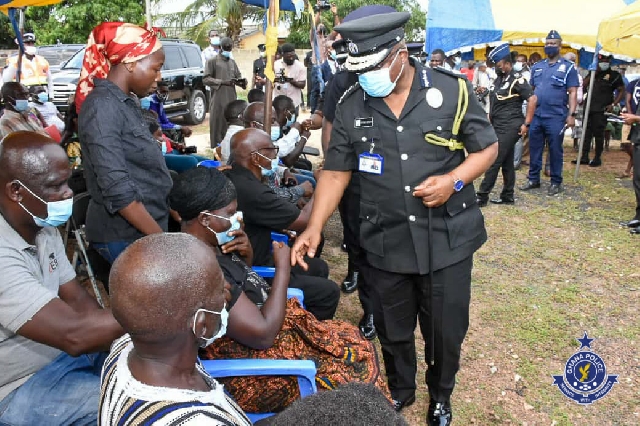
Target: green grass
553	267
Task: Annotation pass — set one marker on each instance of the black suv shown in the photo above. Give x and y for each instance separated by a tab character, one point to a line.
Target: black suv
183	70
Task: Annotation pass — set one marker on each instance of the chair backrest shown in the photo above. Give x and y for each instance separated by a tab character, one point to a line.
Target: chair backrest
80	207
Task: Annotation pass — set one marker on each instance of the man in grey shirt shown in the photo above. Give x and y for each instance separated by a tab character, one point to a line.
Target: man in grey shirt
51	329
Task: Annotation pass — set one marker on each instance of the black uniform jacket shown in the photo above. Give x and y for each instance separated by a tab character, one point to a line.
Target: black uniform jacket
394	223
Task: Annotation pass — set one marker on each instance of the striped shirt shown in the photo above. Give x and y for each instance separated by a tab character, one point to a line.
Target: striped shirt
125	401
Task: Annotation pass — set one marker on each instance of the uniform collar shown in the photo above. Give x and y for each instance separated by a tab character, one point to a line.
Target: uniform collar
12	237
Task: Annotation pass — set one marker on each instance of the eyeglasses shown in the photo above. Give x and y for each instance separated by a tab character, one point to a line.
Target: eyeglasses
276	149
238	213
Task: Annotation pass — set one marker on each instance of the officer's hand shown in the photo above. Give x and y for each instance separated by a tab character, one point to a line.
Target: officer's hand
305	245
435	191
571	121
523	130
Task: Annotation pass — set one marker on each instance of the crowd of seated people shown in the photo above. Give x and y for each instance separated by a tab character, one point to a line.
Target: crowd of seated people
117	135
262	325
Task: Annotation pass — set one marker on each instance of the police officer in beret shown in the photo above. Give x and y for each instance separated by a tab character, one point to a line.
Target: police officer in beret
259	65
555	83
405	129
510	91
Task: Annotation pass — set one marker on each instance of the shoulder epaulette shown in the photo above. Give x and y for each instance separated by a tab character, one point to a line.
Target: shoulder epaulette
449	72
348	92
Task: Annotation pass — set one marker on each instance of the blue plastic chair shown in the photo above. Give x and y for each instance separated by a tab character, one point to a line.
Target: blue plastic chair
212	164
304	370
270	272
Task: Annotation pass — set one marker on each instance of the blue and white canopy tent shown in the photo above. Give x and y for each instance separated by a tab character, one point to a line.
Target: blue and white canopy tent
492	22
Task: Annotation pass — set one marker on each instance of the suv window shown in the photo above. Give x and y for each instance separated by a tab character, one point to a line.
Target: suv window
76	61
194	57
172	58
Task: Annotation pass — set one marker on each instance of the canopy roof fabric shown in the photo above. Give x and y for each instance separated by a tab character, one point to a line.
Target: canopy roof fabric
620	34
6	4
491	22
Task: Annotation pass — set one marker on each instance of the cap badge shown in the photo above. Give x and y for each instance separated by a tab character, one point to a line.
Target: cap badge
353	48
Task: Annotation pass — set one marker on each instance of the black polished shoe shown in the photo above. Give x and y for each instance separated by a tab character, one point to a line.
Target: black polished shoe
635	231
530	185
343	247
399	405
554	189
482	202
350	283
582	161
633	223
503	201
367	328
596	162
439	413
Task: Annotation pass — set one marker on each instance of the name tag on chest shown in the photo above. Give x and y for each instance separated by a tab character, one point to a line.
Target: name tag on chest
370	163
359	123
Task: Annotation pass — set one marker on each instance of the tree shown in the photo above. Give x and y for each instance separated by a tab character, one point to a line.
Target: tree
71	21
414	29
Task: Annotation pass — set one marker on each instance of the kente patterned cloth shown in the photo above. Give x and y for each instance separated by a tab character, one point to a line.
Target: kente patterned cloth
340	353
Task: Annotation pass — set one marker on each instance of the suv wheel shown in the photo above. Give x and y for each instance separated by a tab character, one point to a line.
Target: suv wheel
197	108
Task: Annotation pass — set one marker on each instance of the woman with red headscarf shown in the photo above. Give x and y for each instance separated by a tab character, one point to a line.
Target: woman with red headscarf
125	170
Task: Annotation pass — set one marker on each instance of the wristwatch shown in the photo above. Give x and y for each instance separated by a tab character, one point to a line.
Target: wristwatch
457	183
573	114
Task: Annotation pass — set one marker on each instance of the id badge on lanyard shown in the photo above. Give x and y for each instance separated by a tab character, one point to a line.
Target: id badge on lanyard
369	162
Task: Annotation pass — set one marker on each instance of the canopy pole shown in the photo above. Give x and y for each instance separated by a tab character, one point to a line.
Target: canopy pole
272	20
21	45
585	122
148	14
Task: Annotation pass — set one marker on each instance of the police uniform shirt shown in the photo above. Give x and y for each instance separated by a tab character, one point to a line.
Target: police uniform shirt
394	223
551	83
507	96
258	67
604	85
336	87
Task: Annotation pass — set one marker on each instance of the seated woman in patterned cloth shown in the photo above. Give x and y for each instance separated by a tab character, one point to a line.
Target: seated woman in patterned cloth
262	323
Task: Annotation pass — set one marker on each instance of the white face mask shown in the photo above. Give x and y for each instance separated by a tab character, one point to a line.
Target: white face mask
517	67
30	50
604	66
224	319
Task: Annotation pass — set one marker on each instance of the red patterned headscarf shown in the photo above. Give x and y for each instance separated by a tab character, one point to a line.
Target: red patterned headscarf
112	43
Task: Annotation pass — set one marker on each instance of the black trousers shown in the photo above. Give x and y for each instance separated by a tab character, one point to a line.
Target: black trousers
321	295
398	299
507	140
595	129
636	178
349	209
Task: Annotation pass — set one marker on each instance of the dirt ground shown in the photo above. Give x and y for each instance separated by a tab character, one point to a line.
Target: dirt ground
553	268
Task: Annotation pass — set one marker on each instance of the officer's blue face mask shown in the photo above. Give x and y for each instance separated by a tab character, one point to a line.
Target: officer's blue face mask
58	212
43	97
551	51
517	67
274	166
377	83
224	237
226	54
145	102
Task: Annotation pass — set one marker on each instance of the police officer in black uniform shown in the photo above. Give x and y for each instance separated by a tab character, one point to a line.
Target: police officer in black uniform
259	65
405	128
509	92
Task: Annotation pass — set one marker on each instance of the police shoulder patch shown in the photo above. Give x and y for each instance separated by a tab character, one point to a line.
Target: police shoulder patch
449	72
348	92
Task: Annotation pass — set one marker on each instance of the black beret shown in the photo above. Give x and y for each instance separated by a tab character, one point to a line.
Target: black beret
288	47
